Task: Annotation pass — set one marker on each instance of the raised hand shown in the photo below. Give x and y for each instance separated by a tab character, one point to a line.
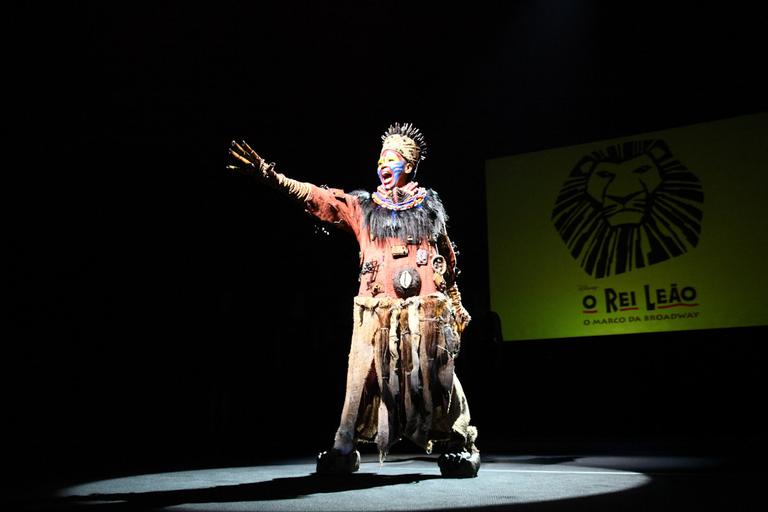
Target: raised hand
249	161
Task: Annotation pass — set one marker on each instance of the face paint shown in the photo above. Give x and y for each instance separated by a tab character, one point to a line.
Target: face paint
391	168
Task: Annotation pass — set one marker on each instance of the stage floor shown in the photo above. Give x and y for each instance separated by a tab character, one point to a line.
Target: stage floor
404	482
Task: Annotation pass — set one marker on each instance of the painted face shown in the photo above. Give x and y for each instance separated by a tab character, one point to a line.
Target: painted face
392	169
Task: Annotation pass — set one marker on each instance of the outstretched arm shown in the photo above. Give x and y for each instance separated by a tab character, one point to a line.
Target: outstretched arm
251	162
329	205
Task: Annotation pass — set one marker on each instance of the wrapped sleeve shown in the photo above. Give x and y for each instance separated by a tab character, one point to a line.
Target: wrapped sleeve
334	206
331	205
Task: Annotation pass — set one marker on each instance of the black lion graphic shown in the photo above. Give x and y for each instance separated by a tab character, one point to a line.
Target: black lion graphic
628	206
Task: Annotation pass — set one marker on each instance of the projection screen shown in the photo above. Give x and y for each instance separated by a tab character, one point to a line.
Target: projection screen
659	231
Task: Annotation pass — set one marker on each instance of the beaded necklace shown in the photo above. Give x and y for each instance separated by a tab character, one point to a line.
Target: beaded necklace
388	200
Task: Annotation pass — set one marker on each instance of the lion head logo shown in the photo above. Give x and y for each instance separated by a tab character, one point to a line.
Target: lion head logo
628	206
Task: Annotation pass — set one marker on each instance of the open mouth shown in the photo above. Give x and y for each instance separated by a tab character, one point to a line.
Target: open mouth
386	176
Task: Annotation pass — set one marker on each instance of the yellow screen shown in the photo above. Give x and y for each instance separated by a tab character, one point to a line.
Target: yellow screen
659	231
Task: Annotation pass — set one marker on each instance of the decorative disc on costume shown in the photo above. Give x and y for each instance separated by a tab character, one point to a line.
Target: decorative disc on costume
406	282
439	264
406	203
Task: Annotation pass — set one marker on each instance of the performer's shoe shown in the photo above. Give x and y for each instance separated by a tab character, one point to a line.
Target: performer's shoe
460	464
333	462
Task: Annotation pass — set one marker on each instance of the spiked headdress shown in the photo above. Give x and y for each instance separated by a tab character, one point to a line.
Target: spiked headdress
407	140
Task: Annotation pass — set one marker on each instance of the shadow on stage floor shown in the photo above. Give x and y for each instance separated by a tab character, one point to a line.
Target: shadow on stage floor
290	488
526	482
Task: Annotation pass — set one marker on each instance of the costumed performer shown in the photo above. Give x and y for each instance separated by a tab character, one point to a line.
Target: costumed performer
407	315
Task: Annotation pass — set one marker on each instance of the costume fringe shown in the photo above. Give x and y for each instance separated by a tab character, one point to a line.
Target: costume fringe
400	380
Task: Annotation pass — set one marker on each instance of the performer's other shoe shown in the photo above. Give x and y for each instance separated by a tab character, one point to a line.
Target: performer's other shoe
333	462
460	464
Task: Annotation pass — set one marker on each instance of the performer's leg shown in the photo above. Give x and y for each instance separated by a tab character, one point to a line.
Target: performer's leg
436	408
361	395
460	457
360	398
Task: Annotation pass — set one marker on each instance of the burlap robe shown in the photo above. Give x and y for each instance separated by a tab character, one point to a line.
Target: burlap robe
400	379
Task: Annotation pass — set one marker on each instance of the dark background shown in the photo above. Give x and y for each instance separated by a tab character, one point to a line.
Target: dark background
165	312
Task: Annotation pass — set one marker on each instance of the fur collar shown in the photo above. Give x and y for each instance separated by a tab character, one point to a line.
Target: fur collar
419	223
